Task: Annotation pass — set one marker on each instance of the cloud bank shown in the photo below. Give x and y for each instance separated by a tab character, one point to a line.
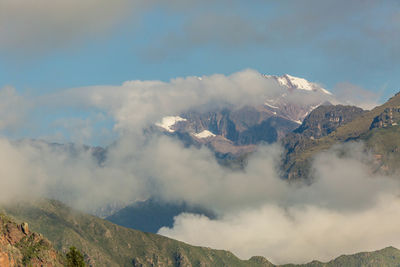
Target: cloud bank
346	210
257	212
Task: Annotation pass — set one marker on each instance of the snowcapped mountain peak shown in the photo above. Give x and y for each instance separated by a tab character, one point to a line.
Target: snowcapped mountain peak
298	83
292	82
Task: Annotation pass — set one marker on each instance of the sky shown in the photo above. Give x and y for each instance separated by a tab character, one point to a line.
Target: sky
98	72
45	46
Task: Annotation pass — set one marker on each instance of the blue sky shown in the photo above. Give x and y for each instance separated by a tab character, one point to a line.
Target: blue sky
47	47
124	52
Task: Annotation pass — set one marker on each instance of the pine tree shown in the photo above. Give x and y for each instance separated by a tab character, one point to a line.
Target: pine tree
75	258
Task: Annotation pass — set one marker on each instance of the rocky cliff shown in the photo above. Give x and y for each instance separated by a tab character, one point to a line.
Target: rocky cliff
21	247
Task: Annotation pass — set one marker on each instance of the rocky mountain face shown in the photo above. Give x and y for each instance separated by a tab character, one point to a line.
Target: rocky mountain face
234	131
327	118
321	122
389	117
21	247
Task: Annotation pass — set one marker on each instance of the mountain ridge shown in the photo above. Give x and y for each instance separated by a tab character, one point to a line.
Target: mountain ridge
231	130
358	129
106	244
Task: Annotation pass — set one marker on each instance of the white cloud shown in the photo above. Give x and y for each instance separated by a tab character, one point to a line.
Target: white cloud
351	94
347	209
136	104
258	213
296	234
13	108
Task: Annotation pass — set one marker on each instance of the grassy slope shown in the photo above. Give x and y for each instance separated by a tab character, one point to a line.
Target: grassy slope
385	143
107	244
388	257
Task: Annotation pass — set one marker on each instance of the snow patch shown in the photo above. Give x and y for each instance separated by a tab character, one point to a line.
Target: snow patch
204	134
283	81
269	105
326	91
169	121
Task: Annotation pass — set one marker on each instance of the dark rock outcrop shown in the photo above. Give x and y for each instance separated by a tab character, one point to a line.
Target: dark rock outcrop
321	122
389	117
325	119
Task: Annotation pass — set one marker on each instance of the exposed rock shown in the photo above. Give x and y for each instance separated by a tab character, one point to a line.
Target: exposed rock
19	247
4	260
321	122
389	117
325	119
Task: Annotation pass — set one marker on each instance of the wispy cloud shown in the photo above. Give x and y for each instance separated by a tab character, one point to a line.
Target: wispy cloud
13	108
351	94
28	27
364	31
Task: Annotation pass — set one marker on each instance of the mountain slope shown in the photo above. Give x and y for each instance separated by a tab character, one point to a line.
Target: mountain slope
106	244
234	131
387	257
297	161
327	118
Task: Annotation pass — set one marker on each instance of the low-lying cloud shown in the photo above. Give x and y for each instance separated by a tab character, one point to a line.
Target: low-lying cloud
296	234
347	208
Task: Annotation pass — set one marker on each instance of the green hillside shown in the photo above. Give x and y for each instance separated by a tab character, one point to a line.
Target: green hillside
106	244
387	257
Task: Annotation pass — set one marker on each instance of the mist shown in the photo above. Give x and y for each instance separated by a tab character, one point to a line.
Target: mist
347	208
